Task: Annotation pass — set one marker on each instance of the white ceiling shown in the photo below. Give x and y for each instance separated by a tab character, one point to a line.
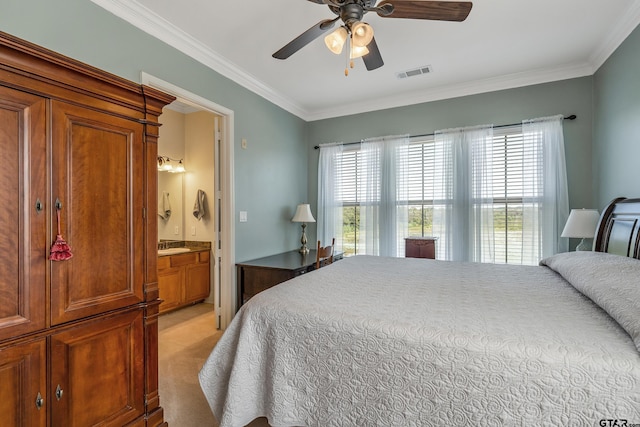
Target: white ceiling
502	44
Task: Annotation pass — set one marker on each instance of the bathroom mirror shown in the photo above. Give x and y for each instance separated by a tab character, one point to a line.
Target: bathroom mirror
186	135
171	204
171	143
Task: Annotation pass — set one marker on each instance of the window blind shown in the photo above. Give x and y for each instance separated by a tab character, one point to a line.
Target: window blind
516	167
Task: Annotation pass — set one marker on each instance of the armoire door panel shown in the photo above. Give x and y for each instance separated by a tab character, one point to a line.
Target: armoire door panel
98	362
23	226
23	392
96	165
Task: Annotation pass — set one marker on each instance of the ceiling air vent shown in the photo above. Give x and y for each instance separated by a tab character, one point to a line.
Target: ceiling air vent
414	72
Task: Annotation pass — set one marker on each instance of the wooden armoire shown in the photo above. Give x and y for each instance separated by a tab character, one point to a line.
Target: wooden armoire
78	337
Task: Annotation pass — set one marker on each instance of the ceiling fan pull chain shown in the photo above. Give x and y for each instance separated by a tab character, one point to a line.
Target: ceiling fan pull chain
349	63
348	49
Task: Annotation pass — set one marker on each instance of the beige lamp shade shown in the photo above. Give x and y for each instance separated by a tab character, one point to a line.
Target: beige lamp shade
581	224
303	214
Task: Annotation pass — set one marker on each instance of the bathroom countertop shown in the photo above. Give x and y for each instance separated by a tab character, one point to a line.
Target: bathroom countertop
194	246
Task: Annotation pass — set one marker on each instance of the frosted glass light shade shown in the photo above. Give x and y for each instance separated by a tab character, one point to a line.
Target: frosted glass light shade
335	40
358	51
179	168
165	163
362	34
303	214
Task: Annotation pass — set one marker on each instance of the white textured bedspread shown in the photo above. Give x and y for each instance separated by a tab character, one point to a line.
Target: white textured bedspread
371	341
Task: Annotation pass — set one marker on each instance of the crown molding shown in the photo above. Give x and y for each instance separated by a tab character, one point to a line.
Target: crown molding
158	27
618	34
474	87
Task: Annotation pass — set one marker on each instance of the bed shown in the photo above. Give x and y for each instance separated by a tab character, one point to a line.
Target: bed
374	341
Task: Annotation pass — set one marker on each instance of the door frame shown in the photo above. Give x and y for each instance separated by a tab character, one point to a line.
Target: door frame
224	249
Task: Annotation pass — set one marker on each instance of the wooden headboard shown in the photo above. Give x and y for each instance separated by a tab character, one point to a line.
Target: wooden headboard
619	228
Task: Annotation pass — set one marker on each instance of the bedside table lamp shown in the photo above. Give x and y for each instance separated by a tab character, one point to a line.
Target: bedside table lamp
303	215
582	224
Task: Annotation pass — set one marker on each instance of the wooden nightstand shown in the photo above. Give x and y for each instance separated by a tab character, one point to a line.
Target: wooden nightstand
420	247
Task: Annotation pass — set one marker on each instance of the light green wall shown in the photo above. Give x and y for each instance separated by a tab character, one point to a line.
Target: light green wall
566	97
270	175
617	123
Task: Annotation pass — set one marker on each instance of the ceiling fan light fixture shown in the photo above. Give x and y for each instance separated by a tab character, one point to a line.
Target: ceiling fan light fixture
335	41
351	12
358	51
361	33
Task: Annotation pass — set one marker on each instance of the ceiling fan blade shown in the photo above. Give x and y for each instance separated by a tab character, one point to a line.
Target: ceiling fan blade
336	3
373	59
305	38
433	10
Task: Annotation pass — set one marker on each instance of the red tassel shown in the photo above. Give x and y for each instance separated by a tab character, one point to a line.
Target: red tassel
60	250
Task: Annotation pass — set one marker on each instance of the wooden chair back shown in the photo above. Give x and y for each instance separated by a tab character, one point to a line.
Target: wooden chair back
324	255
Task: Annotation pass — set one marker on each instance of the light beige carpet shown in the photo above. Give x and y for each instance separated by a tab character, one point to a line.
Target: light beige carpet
186	337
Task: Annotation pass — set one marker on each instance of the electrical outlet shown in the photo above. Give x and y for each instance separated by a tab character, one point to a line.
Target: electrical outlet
176	230
193	230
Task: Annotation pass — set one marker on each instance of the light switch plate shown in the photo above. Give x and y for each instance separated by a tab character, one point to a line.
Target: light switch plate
243	216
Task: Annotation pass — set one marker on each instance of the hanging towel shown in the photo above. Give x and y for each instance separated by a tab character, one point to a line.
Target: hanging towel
199	207
164	206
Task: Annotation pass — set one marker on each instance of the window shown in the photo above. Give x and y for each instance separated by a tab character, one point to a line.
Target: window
422	194
426	193
489	195
347	194
517	194
514	190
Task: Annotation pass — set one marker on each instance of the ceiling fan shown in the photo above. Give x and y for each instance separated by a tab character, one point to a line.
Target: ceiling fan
358	35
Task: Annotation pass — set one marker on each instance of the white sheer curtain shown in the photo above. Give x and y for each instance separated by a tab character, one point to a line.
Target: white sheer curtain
383	187
329	220
495	198
545	136
463	220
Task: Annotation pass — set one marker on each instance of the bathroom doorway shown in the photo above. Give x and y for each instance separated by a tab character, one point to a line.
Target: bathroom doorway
208	162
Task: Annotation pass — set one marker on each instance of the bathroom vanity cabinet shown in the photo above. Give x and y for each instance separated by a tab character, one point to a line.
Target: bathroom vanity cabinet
183	279
78	337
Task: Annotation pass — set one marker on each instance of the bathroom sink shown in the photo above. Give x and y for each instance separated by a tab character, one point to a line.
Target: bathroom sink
173	251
